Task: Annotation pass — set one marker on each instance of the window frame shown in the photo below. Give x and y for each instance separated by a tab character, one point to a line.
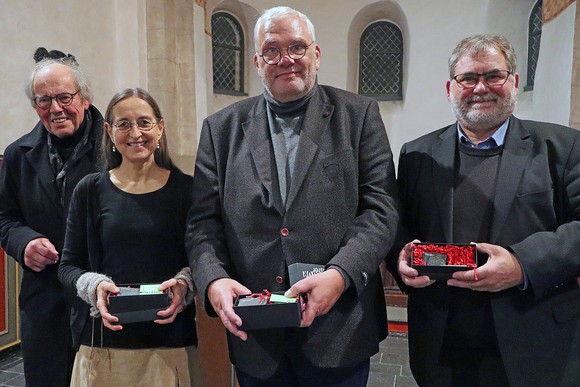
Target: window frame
400	53
533	54
241	52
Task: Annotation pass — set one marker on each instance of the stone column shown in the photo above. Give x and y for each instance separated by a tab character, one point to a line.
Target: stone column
171	73
171	70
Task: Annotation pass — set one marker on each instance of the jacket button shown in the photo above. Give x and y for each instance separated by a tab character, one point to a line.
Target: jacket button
284	232
279	279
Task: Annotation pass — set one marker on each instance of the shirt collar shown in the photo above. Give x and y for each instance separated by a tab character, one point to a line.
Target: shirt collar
495	140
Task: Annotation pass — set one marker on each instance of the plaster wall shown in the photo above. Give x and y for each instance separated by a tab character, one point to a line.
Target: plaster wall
106	37
127	43
430	33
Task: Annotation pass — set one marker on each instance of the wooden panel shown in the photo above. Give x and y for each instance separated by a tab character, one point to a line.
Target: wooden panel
393	295
216	369
552	8
9	287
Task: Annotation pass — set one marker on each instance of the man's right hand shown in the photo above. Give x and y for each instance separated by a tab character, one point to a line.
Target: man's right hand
221	294
409	275
40	253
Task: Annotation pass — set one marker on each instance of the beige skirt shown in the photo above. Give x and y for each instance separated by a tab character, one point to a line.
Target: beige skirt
94	367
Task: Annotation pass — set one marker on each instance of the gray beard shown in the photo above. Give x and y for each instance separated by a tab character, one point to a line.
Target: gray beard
477	121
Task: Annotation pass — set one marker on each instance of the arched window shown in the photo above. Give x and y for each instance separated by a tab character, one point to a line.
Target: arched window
381	62
534	35
228	54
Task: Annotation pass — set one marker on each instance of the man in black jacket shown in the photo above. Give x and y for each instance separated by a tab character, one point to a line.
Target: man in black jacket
39	172
513	185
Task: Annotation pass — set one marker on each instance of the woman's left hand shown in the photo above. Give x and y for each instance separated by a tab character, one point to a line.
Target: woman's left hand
178	291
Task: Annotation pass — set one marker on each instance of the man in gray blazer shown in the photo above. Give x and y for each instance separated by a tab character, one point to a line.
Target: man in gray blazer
513	185
300	174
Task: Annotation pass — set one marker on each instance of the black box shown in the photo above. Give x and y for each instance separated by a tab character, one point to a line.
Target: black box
299	271
440	260
138	303
257	313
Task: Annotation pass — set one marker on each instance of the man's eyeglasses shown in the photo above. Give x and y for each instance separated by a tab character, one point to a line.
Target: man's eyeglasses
494	78
273	55
142	124
63	99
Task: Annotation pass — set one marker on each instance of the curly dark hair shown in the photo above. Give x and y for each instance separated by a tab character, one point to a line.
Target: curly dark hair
42	53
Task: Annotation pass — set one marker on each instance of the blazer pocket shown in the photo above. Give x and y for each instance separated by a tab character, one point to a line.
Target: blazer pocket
568	309
333	165
537	197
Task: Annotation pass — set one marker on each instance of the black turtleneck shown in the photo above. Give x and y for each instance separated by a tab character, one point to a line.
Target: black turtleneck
285	124
289	108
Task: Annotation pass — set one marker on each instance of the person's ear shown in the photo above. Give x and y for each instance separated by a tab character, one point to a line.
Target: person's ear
257	63
109	131
448	87
161	126
317	54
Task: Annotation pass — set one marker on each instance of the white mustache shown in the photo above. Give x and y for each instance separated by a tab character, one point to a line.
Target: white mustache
481	98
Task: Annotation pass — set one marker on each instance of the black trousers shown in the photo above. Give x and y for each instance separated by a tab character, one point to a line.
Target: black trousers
46	344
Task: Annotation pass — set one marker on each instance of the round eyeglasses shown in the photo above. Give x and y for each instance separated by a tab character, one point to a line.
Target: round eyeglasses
143	124
495	78
63	99
273	55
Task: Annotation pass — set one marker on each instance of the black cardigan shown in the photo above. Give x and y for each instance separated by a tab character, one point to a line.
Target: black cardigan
85	208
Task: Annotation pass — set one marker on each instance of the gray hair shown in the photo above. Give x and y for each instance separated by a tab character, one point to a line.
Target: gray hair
277	12
81	79
477	44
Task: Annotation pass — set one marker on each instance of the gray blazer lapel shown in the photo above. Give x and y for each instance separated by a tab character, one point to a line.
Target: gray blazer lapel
513	162
316	120
443	171
258	136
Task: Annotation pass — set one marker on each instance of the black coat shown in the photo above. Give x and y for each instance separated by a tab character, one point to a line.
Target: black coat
536	214
30	208
30	202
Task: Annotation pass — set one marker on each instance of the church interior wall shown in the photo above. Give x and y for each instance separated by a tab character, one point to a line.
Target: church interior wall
115	42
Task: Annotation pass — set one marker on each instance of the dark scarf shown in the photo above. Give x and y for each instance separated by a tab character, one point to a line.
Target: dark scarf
59	149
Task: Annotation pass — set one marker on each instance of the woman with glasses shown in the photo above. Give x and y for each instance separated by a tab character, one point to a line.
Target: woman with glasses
126	226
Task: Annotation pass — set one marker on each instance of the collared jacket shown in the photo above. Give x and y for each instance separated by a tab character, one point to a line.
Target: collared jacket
341	210
30	201
536	215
